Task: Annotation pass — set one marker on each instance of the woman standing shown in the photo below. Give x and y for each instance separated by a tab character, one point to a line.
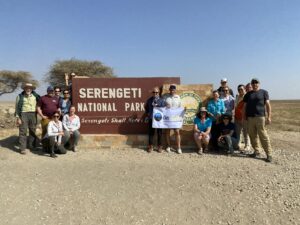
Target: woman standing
154	101
202	127
240	123
65	103
215	110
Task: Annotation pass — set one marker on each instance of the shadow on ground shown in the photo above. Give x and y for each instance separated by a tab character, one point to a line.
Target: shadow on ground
11	143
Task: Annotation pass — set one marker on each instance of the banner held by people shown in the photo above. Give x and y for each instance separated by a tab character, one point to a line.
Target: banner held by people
169	118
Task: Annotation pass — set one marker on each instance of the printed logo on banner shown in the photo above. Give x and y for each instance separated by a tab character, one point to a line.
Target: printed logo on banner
192	102
158	116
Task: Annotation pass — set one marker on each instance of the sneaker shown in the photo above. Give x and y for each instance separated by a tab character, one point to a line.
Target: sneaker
150	148
200	151
254	155
269	159
205	149
160	149
179	151
23	152
168	149
74	149
247	148
53	155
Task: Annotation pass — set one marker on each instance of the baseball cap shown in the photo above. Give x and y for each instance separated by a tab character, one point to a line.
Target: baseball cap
172	87
224	79
50	88
254	80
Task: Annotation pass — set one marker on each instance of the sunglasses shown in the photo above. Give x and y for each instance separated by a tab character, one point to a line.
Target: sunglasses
57	91
56	116
226	90
66	93
225	118
155	92
240	89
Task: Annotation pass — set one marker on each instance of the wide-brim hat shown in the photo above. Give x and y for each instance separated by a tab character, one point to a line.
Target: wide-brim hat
28	85
202	109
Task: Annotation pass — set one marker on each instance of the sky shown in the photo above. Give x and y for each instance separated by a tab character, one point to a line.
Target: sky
201	41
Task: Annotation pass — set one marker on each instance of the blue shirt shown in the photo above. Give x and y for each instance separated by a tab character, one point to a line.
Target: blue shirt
216	108
202	126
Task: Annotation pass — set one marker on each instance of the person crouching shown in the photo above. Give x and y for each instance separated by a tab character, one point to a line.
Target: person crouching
54	137
202	127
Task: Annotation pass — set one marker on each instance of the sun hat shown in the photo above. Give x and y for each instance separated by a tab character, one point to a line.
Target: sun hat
202	109
28	85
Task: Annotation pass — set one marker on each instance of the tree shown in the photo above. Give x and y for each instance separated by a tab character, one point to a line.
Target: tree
56	75
11	81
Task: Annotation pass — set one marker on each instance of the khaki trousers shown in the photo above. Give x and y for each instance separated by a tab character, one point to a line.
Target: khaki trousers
257	130
44	123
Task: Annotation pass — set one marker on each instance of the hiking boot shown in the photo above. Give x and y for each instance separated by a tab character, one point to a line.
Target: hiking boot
254	155
150	148
269	159
160	149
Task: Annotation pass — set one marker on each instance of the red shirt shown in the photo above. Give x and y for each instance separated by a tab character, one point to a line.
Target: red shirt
238	114
49	105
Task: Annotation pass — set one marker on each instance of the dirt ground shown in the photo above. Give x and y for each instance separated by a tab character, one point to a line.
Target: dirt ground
134	187
131	186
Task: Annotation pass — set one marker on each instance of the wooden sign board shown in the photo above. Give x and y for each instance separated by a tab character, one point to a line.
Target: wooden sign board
114	105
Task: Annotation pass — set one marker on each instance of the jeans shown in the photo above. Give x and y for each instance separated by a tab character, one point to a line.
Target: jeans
151	132
74	137
228	143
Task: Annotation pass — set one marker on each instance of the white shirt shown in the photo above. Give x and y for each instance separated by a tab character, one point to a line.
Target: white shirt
173	101
54	129
71	124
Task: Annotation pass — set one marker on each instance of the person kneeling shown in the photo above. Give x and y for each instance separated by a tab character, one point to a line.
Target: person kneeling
227	139
54	138
71	124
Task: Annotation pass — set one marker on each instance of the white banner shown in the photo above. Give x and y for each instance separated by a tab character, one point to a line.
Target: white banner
164	117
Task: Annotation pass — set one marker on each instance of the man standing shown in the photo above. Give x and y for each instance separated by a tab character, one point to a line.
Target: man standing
223	86
173	100
26	103
47	106
256	104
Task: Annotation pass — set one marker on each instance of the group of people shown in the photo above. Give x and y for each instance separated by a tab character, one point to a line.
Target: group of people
219	125
60	125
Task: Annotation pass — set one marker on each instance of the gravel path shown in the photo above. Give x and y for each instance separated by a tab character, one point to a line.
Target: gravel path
132	186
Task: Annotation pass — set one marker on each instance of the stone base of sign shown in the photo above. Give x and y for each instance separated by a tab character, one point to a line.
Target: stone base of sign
118	141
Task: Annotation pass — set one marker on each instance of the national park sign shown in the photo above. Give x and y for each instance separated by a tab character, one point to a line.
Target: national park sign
114	105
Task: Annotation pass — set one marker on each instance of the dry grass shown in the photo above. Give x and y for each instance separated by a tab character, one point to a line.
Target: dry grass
285	115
